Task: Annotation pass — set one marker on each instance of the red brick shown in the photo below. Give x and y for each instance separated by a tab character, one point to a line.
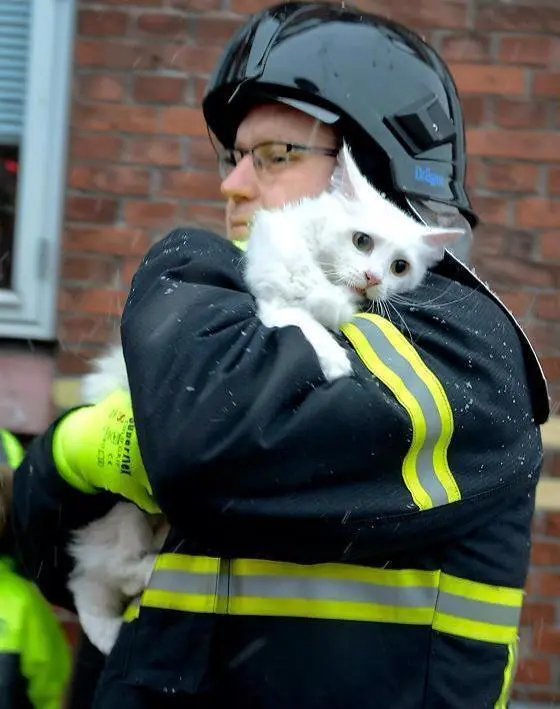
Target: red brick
550	245
215	30
88	269
99	210
512	113
489	79
130	266
155	151
538	212
193	5
102	87
474	109
547	640
100	148
508	273
76	361
551	368
183	57
511	177
544	18
159	89
519	302
465	48
554	180
552	524
102	23
209	216
139	3
491	210
547	84
162	24
526	50
125	118
550	697
535	146
199	87
536	613
109	54
86	328
190	185
201	155
548	306
161	215
489	240
545	553
118	240
117	179
183	121
533	671
92	300
545	338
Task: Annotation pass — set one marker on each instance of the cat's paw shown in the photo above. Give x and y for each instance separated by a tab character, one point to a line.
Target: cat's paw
138	576
335	363
101	631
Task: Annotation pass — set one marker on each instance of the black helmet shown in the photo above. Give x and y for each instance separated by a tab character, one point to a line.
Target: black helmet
388	93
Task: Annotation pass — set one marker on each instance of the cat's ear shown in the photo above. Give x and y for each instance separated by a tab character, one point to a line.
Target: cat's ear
347	179
437	236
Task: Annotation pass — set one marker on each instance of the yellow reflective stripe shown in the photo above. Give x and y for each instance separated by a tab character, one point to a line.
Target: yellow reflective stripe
187	562
484	592
393	360
132	611
329	610
441	464
509	676
348	572
449	604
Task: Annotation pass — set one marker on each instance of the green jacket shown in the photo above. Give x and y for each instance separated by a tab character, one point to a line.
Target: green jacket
35	658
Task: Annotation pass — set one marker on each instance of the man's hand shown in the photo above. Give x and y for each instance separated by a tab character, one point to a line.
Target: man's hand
95	448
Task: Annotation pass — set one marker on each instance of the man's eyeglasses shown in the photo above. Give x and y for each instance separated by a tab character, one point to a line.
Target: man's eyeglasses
268	157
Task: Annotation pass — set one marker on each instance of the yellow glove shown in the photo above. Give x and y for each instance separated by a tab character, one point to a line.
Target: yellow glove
95	448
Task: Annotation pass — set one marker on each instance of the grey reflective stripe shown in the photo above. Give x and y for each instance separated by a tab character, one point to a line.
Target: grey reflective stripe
401	366
184	582
263	586
480	611
333	590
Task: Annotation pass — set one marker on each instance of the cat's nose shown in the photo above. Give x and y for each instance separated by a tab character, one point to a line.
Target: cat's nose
372	279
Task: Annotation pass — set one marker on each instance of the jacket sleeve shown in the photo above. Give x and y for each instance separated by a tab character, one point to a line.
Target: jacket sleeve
45	510
235	417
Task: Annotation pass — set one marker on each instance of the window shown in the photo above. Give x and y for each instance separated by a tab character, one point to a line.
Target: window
36	43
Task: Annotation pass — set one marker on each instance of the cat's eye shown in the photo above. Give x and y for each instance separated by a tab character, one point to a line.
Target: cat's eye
400	267
363	242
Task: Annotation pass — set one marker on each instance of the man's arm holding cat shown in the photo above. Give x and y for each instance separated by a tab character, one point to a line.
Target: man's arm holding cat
232	414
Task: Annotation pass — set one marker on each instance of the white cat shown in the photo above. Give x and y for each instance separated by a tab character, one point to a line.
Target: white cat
316	263
313	265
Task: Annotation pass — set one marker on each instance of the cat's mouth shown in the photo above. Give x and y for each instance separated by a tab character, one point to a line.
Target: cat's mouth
358	291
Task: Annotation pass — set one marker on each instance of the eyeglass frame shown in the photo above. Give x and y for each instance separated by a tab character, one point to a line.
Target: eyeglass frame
226	168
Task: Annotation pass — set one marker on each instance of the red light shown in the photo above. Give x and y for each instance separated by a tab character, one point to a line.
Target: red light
11	166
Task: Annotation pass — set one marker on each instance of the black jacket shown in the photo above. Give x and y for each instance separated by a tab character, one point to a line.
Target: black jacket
332	545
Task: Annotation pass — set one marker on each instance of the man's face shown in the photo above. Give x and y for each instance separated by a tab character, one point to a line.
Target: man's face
308	174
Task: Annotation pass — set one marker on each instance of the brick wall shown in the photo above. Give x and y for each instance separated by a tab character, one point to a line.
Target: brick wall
140	164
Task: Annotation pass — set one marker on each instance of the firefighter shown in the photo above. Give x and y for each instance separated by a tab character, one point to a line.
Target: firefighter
34	654
356	545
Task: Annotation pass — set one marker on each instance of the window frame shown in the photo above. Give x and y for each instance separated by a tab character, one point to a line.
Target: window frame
28	307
